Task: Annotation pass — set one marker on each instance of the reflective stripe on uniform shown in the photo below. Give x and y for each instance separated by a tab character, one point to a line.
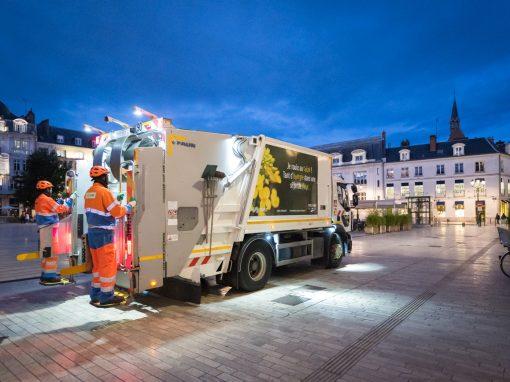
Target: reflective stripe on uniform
107	279
94	211
113	204
102	227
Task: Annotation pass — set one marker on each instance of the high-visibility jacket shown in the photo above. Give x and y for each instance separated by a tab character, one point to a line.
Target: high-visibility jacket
101	208
47	210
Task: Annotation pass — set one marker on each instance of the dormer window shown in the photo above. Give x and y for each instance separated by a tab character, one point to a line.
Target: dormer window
60	138
20	125
359	156
77	141
337	159
458	149
405	154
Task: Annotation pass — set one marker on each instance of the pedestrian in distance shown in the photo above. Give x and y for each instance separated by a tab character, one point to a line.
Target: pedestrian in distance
102	210
46	213
497	218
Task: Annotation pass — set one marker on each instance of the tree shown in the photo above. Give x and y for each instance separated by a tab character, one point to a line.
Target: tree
41	165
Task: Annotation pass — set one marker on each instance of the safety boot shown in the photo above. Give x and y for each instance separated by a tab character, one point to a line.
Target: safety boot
115	301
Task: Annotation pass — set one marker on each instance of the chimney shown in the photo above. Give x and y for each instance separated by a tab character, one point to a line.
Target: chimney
383	139
433	143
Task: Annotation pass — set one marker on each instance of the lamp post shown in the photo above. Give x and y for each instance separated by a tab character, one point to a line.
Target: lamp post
137	110
478	185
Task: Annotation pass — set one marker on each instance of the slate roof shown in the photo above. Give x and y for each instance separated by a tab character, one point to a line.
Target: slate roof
473	146
374	146
50	136
5	113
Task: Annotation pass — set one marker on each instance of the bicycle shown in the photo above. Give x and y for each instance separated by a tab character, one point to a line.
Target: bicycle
504	261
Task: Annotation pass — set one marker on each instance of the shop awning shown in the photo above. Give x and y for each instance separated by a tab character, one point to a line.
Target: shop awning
372	204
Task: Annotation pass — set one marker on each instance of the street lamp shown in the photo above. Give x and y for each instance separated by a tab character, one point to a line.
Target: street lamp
109	119
139	112
89	129
478	185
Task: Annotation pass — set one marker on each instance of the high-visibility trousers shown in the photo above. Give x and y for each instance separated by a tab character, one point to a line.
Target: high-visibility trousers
104	264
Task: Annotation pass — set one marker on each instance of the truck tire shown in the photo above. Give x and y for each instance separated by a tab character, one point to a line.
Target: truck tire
255	267
335	252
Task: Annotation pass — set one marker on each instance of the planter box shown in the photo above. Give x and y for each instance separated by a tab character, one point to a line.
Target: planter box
371	230
382	229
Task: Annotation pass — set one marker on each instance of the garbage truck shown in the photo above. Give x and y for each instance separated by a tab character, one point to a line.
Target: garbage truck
222	206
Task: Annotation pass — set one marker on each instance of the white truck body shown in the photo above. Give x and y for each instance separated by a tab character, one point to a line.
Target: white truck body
177	231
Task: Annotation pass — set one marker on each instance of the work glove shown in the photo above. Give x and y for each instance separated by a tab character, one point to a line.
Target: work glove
131	205
73	196
120	197
69	202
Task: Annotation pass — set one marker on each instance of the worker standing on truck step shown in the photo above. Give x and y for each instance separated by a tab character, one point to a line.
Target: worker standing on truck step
46	213
101	209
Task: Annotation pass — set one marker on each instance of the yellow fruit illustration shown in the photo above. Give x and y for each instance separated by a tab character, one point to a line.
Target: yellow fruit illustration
265	197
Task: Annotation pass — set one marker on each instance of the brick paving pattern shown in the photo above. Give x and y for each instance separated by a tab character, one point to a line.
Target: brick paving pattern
459	332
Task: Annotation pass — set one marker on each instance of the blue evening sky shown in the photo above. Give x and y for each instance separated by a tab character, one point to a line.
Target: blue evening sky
309	72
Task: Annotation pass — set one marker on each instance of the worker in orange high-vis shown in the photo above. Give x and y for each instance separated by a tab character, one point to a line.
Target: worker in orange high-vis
101	209
46	213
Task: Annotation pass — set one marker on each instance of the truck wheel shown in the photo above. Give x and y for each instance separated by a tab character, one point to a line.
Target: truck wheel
255	267
335	252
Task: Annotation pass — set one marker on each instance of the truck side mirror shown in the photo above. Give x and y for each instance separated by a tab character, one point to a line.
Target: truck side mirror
355	200
354	189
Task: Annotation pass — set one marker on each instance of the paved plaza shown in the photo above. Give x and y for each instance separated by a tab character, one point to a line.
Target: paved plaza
429	304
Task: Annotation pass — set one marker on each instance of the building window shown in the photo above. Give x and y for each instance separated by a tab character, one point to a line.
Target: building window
458	188
404	190
25	145
77	141
360	177
459	209
24	165
60	139
378	183
3	126
440	207
390	191
418	188
17	144
440	169
458	149
502	186
479	187
20	125
390	173
359	155
404	154
61	153
479	167
404	172
418	171
337	159
362	196
459	168
440	188
16	165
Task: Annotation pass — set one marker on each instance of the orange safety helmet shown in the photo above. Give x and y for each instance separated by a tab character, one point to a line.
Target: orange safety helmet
96	171
43	185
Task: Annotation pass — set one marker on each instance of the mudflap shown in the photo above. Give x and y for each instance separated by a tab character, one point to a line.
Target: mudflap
181	289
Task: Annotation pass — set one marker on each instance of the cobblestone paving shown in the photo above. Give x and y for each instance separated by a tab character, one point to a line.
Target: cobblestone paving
459	331
17	238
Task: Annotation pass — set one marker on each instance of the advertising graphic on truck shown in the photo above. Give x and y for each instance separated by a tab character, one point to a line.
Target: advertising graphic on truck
287	183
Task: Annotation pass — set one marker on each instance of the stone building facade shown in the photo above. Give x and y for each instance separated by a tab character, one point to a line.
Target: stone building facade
459	178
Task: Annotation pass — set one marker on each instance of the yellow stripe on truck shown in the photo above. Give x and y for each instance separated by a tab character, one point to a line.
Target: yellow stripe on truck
150	258
327	220
28	256
219	248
